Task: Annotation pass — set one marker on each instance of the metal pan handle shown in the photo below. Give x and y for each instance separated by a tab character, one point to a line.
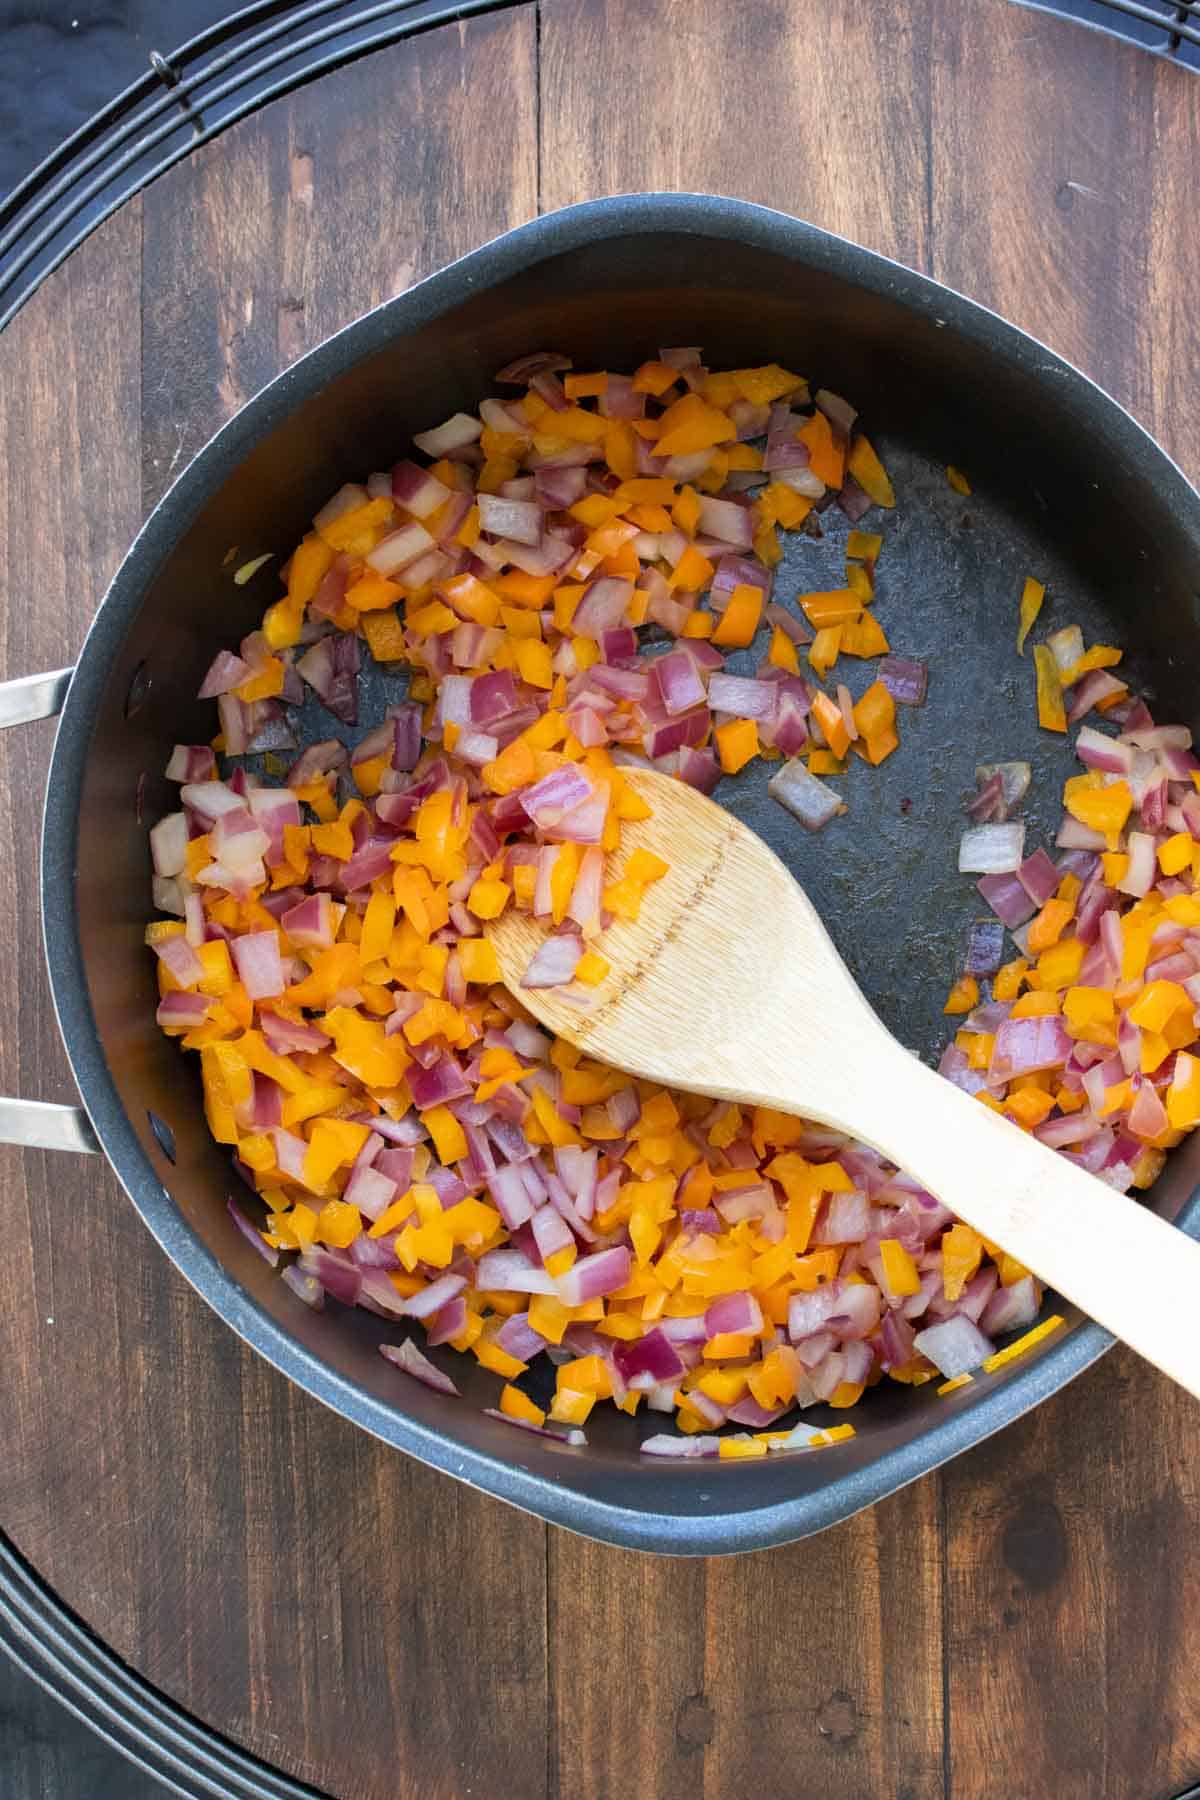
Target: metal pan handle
40	1124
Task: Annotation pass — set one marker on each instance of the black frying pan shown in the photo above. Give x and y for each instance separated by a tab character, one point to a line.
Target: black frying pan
1066	487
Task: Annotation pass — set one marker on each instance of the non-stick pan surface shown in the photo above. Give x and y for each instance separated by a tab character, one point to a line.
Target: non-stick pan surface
1066	488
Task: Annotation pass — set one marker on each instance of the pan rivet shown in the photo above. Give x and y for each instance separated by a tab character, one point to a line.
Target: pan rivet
139	687
163	1134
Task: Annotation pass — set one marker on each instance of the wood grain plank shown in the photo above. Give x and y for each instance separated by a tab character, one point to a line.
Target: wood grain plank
1071	1589
308	214
1067	1634
818	110
1063	195
773	1673
363	1623
1048	172
69	391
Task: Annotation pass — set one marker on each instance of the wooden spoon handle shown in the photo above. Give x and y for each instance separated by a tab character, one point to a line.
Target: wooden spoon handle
1129	1269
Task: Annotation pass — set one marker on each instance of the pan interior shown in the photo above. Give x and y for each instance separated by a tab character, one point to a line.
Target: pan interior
1062	490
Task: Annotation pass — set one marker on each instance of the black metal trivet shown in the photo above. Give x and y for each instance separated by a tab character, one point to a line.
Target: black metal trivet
186	97
1170	28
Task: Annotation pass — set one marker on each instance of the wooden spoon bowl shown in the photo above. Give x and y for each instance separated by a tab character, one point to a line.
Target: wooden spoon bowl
728	984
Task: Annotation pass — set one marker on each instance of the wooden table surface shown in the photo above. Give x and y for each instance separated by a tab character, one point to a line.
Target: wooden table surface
1023	1622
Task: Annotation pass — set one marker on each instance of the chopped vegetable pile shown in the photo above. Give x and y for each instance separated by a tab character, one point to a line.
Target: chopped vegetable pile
421	1147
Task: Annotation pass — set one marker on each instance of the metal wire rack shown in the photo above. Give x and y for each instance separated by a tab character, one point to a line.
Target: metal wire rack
184	99
1170	28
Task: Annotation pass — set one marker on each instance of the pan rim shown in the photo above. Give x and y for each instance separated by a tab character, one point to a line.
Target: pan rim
733	1529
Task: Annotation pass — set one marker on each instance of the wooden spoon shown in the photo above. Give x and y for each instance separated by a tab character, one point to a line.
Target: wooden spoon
729	985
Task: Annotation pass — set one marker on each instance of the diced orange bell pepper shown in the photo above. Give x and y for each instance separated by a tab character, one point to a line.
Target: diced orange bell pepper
738	623
372	592
864	637
310	562
1049	925
693	571
1006	983
1175	854
1032	595
654	378
1103	809
1183	1095
1052	714
899	1269
869	472
782	653
1029	1107
875	712
737	744
963	996
691	425
962	1251
825	648
1100	656
1156	1003
837	606
828	715
826	458
265	683
516	1405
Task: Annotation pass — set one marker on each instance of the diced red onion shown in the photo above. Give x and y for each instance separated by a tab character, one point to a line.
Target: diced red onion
1011	1308
906	681
554	962
179	957
744	698
406	1356
1007	899
191	763
259	963
226	671
398	549
985	947
417	490
520	520
305	1287
1024	1046
592	1277
955	1347
804	795
991	849
458	431
736	1313
254	1238
179	1009
1038	876
1143	865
